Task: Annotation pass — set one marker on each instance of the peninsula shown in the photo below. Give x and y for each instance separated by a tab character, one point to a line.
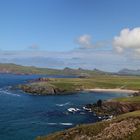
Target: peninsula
96	83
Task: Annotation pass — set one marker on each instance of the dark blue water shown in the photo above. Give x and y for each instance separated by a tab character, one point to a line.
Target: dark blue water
23	116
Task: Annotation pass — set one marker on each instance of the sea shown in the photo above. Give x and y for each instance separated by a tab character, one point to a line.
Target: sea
24	116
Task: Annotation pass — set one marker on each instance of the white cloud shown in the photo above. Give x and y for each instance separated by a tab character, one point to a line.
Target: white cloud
128	40
85	42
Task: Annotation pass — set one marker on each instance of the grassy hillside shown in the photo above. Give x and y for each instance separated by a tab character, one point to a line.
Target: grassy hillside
129	72
18	69
135	99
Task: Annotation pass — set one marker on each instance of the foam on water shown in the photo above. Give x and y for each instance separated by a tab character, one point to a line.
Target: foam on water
6	91
61	123
63	104
66	123
52	123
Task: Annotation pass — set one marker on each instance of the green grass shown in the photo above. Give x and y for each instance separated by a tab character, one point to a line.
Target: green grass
135	99
135	135
129	114
124	82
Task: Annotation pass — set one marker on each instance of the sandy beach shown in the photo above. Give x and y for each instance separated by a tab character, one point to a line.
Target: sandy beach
116	90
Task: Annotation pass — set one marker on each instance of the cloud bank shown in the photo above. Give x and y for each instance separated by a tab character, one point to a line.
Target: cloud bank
128	40
87	59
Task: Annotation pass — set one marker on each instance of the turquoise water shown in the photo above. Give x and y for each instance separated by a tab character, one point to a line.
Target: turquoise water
23	116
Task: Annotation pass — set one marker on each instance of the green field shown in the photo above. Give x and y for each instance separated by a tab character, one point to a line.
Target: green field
124	82
135	99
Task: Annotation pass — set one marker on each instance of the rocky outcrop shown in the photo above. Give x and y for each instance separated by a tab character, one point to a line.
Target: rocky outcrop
43	79
113	107
136	93
46	90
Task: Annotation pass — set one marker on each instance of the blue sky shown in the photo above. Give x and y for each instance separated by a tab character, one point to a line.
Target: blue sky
67	30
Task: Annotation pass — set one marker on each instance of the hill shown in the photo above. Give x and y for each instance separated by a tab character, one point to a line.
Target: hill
129	72
18	69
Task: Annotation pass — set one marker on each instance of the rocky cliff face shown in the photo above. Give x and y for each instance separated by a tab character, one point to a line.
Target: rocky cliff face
46	90
114	108
120	107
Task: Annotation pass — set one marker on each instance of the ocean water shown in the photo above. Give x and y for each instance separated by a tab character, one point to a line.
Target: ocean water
24	116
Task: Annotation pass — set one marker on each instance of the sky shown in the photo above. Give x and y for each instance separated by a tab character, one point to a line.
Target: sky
102	34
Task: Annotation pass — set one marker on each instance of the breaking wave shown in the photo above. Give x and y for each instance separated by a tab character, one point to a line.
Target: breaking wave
63	104
6	91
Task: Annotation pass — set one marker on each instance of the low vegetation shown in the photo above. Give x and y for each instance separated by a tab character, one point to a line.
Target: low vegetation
135	99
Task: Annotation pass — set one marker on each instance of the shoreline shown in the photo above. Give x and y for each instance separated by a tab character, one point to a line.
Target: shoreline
115	90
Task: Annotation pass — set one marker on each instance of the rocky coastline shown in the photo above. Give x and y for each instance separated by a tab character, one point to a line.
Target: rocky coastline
113	108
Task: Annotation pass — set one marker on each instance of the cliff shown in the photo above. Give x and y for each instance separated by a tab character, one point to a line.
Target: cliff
113	108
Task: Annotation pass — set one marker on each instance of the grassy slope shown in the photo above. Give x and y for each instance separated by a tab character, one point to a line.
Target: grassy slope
135	99
100	81
94	129
13	68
